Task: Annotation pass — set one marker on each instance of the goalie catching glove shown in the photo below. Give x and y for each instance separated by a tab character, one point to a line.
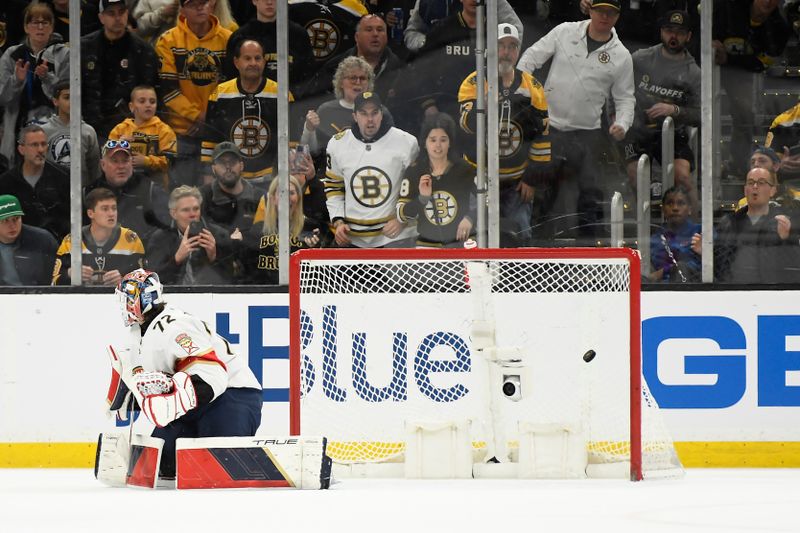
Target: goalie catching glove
165	398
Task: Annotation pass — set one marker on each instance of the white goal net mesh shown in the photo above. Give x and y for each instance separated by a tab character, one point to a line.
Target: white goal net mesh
388	341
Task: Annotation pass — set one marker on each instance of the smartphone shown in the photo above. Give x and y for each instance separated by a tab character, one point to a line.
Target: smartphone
295	156
195	227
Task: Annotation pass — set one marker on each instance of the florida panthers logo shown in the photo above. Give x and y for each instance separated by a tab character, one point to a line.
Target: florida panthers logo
442	208
252	135
371	186
202	66
325	37
510	138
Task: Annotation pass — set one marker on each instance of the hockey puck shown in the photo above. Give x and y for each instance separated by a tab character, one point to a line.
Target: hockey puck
589	356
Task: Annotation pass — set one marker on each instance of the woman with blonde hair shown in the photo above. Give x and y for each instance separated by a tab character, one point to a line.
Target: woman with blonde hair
261	246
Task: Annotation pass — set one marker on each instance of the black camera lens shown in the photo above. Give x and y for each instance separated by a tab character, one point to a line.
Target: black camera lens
509	388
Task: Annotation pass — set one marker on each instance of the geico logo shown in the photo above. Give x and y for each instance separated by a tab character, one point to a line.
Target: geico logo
700	362
423	366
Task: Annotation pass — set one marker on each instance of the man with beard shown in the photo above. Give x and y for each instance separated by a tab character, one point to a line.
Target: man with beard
524	147
229	201
244	111
667	85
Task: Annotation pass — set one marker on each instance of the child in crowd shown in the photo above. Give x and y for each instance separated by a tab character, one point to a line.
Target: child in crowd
671	254
59	148
152	141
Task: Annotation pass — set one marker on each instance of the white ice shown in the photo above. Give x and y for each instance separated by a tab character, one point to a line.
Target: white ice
729	501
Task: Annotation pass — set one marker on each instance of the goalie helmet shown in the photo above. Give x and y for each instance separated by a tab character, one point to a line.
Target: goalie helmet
139	292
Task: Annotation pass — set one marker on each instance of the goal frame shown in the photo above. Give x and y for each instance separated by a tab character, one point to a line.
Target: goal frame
399	254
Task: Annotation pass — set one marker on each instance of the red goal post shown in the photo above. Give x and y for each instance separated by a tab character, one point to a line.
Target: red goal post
354	395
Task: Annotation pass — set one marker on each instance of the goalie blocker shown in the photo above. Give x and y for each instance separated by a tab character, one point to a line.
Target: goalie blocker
218	462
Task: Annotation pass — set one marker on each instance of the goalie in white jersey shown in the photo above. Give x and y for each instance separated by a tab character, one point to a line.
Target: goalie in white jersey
365	166
185	377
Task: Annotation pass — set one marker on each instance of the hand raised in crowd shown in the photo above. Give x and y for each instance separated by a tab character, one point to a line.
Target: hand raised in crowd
393	228
112	278
21	69
208	243
784	226
425	185
697	244
41	69
464	229
790	163
617	132
303	167
661	109
526	192
342	234
187	246
720	54
312	120
168	11
312	240
586	5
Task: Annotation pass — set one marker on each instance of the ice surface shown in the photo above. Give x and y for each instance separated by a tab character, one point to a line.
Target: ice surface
727	501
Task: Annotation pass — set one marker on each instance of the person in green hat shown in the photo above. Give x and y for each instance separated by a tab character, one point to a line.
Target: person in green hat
27	253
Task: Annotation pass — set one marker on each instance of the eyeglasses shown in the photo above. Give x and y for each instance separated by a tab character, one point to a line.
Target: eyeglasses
356	79
42	23
759	183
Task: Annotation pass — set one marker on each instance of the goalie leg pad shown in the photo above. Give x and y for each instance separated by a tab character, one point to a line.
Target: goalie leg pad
253	462
144	462
112	459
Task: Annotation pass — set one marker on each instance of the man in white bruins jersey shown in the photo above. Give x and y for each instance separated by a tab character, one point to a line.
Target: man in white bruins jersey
365	167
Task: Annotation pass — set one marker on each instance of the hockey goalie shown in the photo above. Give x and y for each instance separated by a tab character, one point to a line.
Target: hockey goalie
198	393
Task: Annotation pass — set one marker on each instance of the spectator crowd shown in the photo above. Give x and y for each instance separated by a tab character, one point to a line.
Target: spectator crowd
179	132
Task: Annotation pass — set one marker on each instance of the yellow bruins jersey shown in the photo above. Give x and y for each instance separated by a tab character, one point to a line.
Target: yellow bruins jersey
785	130
524	138
249	121
191	69
123	251
155	140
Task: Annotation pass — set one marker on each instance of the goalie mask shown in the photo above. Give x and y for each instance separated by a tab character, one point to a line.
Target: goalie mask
139	292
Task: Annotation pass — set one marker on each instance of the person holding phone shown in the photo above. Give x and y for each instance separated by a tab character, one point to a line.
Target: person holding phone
192	251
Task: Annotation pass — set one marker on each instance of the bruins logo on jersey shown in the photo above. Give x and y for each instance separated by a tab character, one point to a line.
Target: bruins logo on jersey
324	37
371	187
202	66
510	139
442	208
252	135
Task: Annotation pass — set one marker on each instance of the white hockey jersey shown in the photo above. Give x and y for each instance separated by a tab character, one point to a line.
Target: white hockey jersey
362	183
177	341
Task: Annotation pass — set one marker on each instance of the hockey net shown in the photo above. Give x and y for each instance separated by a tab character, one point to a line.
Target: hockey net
382	337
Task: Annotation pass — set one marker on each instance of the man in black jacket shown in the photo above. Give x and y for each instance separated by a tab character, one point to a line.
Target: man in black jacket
113	62
26	252
41	187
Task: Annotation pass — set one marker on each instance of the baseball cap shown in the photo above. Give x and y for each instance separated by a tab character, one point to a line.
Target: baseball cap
105	4
606	3
366	98
676	18
9	207
507	30
112	147
767	151
225	148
